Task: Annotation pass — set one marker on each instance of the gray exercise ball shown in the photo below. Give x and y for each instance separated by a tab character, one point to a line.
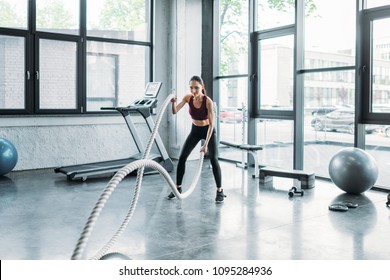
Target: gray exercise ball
353	170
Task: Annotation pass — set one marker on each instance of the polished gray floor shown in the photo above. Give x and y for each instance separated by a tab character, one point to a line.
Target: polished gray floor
42	216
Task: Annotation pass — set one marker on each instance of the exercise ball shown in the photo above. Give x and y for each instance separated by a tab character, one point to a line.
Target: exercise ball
353	170
8	156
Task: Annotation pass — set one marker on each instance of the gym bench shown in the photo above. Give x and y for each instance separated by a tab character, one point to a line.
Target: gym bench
251	149
307	179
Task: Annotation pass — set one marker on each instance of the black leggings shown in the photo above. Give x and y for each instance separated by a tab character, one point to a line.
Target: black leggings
198	133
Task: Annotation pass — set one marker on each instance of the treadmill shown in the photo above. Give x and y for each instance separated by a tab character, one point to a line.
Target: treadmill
145	107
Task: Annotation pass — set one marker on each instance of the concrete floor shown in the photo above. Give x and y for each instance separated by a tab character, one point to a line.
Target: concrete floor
42	216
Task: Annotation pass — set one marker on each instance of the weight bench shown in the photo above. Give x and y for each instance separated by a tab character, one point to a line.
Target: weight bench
307	179
251	149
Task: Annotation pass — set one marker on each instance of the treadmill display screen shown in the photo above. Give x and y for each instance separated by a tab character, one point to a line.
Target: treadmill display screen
152	89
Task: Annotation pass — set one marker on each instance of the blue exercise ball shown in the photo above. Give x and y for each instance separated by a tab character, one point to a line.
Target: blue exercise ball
353	170
8	156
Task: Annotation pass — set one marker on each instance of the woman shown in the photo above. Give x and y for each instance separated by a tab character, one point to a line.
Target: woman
202	114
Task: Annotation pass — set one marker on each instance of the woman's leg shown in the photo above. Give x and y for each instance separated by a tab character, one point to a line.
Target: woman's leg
192	139
213	154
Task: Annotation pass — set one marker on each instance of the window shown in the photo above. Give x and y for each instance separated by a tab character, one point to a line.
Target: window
73	56
59	16
336	45
12	69
13	14
272	14
119	19
375	87
376	3
232	74
380	64
233	37
277	138
102	80
276	73
116	74
315	87
232	115
329	119
57	76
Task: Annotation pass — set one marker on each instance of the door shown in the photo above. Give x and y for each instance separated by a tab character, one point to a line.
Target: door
375	74
375	68
275	97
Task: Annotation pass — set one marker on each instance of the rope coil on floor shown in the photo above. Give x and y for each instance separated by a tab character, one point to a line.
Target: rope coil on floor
138	165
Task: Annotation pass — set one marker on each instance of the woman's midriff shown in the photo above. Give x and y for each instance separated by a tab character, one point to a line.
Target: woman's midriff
200	122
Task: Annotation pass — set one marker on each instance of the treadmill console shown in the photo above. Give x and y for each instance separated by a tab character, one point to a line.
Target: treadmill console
146	105
150	96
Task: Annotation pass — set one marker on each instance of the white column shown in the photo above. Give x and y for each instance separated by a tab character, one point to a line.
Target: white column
186	61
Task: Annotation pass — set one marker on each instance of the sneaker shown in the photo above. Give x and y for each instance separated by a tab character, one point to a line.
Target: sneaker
220	197
172	195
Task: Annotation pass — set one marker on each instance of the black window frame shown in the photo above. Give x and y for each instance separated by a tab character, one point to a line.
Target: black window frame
255	109
28	100
36	73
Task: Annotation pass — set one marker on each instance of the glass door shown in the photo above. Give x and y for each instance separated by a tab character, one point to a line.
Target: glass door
275	122
375	72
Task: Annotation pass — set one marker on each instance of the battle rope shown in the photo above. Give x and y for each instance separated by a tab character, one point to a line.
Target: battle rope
138	165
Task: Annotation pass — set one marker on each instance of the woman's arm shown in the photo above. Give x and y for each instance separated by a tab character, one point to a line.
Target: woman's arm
210	111
176	108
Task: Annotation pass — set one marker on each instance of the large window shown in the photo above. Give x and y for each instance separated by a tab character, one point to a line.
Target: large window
316	83
73	56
